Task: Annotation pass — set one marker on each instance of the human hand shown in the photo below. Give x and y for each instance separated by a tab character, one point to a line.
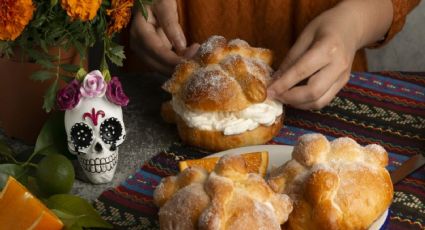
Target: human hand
160	41
319	63
322	57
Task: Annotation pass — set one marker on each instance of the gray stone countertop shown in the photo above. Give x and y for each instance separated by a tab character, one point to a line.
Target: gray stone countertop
147	133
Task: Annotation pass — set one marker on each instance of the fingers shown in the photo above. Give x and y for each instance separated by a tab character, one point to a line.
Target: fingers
153	63
164	38
310	62
166	14
326	98
316	87
300	46
191	51
152	42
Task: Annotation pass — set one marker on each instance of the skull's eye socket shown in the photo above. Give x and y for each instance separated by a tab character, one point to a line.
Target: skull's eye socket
81	136
111	130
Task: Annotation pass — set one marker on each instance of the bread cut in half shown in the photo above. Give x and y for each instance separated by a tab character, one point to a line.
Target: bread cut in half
222	92
227	198
334	185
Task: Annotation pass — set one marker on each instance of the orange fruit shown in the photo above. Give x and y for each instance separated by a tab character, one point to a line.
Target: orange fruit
256	162
19	209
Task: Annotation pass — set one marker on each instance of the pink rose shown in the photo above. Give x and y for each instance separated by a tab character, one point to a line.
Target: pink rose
115	93
93	85
68	97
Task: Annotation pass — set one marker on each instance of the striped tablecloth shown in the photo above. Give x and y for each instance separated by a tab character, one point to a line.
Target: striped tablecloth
386	108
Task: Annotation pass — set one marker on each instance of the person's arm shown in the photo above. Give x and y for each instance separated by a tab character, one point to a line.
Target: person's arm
324	52
373	18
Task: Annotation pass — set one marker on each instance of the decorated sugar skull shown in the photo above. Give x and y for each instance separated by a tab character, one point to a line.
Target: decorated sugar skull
94	123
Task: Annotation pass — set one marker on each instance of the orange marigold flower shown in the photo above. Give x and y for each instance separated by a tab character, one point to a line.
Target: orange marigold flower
14	16
81	9
120	14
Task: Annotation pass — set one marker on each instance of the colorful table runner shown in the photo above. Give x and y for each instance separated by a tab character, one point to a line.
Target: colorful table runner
386	108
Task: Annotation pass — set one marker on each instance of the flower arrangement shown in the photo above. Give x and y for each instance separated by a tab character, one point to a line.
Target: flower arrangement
92	85
33	26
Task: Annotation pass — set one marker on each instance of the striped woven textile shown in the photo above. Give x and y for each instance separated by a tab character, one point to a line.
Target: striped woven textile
386	108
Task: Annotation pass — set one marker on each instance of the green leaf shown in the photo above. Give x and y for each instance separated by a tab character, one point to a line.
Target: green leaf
78	210
50	96
52	137
41	75
46	63
143	9
106	75
14	170
34	54
53	3
70	68
38	21
118	50
81	74
6	49
43	45
66	79
80	48
116	54
57	32
67	219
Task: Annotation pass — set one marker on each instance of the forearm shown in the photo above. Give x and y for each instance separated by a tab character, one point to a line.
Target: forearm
373	19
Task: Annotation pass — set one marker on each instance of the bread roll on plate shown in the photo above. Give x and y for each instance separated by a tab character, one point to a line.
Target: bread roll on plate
334	185
219	99
229	198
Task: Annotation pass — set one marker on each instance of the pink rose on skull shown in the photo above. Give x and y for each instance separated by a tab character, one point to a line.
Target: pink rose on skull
115	93
68	97
93	85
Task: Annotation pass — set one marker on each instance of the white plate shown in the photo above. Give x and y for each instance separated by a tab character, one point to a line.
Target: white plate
279	154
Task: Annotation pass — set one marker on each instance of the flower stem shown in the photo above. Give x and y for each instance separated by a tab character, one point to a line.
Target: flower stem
28	161
58	65
32	165
13	159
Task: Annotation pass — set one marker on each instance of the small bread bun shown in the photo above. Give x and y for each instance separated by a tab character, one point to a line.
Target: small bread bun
224	77
335	185
228	198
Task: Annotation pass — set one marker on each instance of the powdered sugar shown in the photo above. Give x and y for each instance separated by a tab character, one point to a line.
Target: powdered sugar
222	179
310	137
209	216
208	83
212	43
376	149
254	67
344	141
179	209
260	69
265	216
238	42
322	167
161	186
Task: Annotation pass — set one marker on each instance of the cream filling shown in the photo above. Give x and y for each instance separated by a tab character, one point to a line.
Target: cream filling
230	123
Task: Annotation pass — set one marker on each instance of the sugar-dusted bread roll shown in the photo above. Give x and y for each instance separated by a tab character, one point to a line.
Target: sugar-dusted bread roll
334	185
228	198
219	99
